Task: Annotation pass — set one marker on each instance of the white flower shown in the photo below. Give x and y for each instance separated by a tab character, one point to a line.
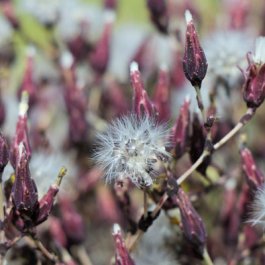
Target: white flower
258	207
259	55
132	148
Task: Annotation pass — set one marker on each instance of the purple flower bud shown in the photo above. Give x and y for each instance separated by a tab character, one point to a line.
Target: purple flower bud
122	256
159	14
99	57
192	223
110	4
180	131
162	98
142	105
75	100
21	135
194	61
4	153
72	221
254	86
24	191
253	175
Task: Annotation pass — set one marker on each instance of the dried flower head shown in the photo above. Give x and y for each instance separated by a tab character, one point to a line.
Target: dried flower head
258	207
132	147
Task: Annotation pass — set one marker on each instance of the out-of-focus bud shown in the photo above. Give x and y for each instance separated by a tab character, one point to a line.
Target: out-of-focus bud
21	135
180	131
72	221
56	231
176	74
254	86
114	98
122	256
4	153
162	97
24	191
75	100
197	144
254	176
8	10
28	83
99	58
192	224
238	11
2	111
142	105
47	201
110	4
194	60
159	14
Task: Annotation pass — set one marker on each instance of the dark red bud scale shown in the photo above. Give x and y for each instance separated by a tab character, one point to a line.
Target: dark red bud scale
194	60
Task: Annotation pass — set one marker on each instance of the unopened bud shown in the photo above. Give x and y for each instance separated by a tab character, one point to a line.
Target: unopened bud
122	256
24	191
180	131
4	153
100	56
142	105
194	60
162	97
253	175
192	223
159	14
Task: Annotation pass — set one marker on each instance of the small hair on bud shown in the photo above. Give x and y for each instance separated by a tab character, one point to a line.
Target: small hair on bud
188	16
134	67
164	67
116	229
31	51
66	60
109	16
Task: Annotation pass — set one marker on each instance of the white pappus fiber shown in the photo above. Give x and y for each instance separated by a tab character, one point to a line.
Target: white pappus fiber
133	148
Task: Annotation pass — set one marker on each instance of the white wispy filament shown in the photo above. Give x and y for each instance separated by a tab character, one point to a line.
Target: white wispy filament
133	148
258	208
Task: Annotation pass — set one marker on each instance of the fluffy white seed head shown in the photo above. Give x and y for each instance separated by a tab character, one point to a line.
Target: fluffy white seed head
132	148
258	208
259	55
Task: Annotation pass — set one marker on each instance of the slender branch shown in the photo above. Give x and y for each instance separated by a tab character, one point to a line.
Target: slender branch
82	255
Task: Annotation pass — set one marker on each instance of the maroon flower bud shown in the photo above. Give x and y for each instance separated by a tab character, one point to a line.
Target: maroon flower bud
72	221
254	176
99	57
21	135
238	11
142	105
159	14
47	201
24	191
197	144
180	131
28	83
4	153
192	223
75	100
194	61
254	86
122	256
110	4
162	96
56	231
